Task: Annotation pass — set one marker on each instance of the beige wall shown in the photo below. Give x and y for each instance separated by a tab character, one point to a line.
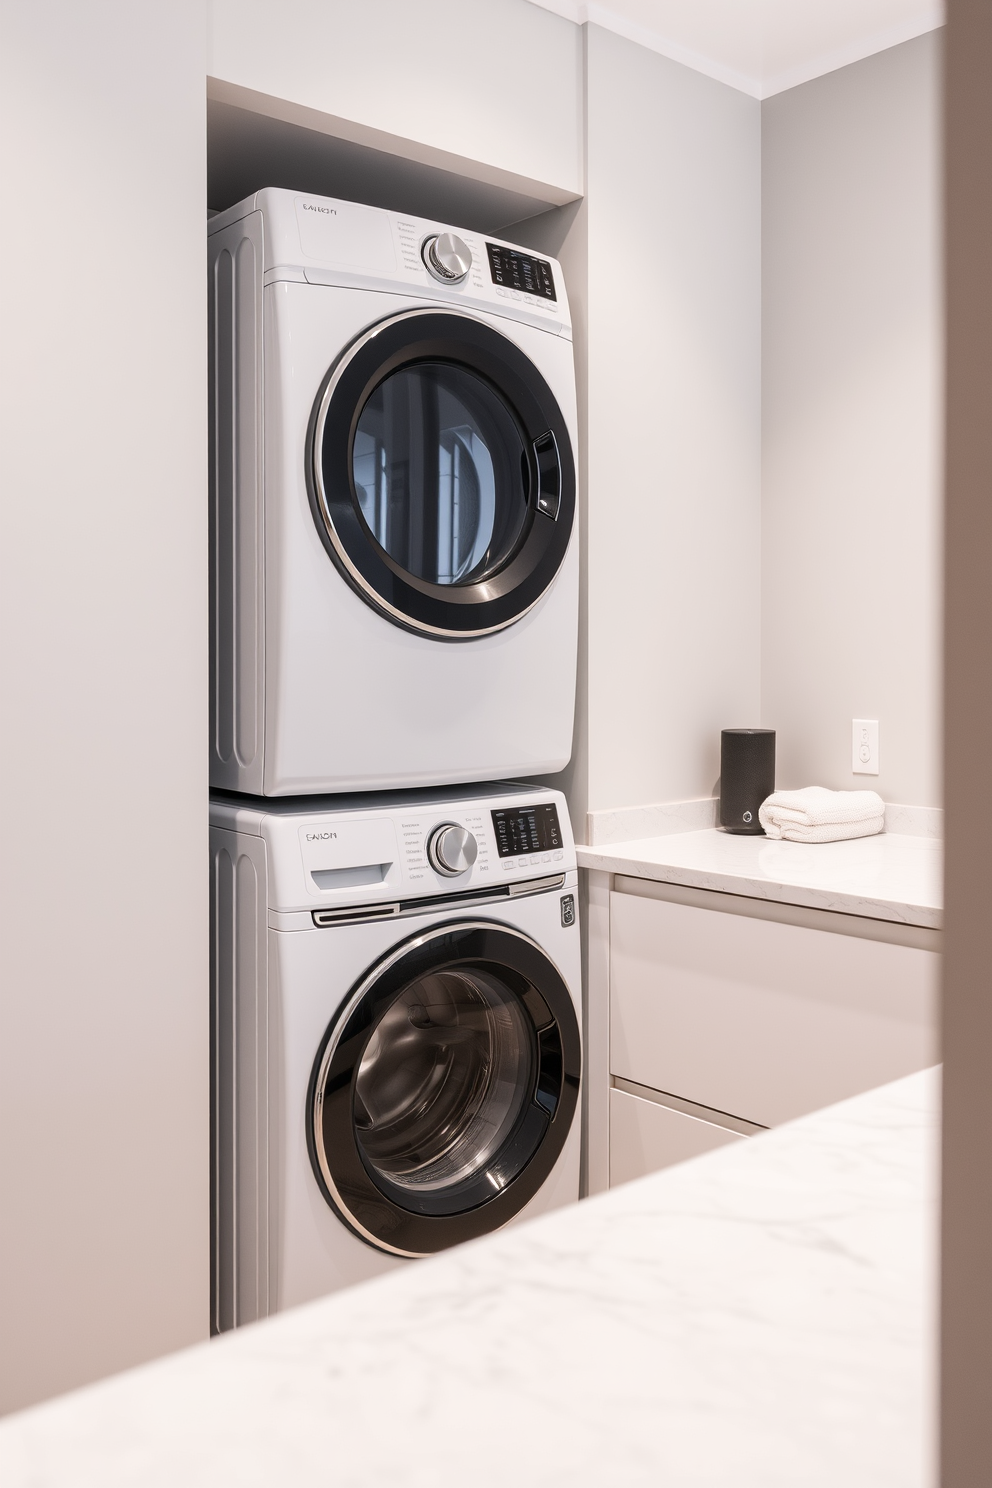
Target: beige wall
851	356
103	946
499	83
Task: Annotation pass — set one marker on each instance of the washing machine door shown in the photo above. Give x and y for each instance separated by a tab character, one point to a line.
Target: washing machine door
443	1092
441	474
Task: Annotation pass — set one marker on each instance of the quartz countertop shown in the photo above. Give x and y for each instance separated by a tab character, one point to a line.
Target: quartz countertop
888	877
761	1317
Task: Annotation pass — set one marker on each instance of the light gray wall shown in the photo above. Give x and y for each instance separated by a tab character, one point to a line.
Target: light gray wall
501	84
564	234
673	335
662	260
103	946
851	543
103	951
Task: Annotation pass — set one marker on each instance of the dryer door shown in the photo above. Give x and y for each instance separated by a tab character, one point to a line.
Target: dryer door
441	474
442	1094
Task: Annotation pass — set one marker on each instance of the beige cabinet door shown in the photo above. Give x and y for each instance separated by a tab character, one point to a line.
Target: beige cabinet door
645	1136
762	1020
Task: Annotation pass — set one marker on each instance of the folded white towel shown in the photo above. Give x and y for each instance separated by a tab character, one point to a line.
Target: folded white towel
820	815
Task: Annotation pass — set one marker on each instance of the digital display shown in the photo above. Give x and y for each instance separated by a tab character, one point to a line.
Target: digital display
521	271
527	829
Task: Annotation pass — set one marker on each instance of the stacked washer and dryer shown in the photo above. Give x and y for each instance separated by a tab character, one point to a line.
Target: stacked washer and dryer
396	1014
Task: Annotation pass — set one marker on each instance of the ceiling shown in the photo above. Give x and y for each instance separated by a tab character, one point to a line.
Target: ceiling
760	46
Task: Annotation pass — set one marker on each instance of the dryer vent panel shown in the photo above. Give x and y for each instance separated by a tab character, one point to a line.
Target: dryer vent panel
237	593
240	1045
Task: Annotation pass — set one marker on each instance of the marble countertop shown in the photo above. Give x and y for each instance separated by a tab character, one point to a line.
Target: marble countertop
888	877
761	1317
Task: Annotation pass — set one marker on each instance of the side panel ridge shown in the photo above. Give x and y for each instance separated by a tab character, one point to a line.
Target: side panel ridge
236	569
240	1096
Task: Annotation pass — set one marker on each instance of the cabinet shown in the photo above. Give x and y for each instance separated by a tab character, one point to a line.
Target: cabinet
721	1016
647	1134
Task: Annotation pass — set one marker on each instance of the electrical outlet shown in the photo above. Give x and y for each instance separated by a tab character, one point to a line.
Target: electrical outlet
864	746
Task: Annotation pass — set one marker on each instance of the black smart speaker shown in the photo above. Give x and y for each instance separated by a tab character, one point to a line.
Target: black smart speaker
747	777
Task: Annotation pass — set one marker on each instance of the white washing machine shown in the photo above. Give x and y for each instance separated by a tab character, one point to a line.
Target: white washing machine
396	1032
395	554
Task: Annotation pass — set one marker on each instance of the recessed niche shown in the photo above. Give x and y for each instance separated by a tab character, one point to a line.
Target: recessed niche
254	141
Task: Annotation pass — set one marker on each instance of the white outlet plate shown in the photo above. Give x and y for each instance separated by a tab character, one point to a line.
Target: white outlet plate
864	746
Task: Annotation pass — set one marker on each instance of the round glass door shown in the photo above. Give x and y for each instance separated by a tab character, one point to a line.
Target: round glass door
441	475
442	1095
440	472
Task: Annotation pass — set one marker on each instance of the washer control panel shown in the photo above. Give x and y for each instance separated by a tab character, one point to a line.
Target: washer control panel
430	846
528	836
455	848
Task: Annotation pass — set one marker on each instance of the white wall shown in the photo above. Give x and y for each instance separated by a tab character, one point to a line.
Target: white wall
103	946
499	83
673	192
851	422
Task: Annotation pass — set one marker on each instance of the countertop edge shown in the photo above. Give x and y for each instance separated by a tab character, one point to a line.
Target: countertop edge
624	858
761	1313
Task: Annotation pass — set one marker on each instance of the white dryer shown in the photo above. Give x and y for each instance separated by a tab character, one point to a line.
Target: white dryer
396	1032
395	555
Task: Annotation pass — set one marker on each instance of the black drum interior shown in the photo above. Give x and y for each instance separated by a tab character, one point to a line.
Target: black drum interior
442	1095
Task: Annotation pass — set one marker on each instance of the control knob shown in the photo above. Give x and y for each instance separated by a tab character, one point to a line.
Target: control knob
451	849
447	257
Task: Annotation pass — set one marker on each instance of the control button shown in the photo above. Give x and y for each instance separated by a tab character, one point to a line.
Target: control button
447	256
545	857
558	856
452	850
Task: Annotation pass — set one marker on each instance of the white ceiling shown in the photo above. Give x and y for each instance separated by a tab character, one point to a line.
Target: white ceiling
760	46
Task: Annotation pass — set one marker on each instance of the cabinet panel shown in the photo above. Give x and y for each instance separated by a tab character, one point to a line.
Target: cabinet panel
762	1020
645	1137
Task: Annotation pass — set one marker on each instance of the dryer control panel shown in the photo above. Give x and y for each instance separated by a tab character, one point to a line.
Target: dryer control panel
521	271
325	240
